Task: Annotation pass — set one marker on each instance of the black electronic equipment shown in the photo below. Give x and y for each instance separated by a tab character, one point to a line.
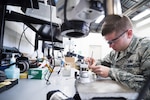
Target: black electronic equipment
2	76
23	64
71	54
59	95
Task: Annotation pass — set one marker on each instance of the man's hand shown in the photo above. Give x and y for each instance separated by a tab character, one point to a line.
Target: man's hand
100	70
90	61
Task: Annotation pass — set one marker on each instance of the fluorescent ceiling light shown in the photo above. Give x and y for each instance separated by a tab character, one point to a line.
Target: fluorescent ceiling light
100	18
141	15
143	22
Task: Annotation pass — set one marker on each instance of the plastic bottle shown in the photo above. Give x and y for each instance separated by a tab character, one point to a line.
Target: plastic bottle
12	72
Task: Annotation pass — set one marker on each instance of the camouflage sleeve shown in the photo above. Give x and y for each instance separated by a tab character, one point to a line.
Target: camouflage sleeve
126	78
131	80
106	61
134	82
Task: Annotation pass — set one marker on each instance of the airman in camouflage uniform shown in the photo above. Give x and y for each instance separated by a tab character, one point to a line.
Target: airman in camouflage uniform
129	61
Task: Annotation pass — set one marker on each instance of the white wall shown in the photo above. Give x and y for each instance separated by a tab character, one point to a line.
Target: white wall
82	44
12	34
13	31
143	30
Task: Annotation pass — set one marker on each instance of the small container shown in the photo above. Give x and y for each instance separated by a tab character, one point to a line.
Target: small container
66	71
12	72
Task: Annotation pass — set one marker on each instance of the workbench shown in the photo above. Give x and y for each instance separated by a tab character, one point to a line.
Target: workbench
33	89
105	88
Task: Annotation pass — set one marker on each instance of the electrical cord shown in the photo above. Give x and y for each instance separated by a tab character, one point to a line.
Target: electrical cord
23	33
8	65
65	11
65	14
27	39
76	96
31	4
62	62
21	37
52	35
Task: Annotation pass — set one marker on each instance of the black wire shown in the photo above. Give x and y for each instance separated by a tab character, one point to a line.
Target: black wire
28	39
52	36
8	65
68	24
23	33
76	96
65	11
30	43
31	4
21	37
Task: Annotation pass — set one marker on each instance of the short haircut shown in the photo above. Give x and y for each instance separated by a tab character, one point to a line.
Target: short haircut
115	23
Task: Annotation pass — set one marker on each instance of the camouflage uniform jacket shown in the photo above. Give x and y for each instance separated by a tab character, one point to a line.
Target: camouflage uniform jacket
132	66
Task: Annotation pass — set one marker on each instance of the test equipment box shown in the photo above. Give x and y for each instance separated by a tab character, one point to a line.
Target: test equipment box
37	73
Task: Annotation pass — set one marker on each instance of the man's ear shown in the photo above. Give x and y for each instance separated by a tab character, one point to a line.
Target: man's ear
130	33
